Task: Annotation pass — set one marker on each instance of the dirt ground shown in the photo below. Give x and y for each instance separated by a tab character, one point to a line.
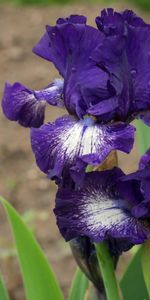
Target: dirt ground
21	182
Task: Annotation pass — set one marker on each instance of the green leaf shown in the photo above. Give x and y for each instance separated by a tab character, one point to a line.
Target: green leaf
79	286
143	136
3	291
132	283
39	280
146	264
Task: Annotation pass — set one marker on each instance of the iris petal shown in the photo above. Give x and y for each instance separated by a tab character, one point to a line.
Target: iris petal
97	211
27	106
86	84
69	142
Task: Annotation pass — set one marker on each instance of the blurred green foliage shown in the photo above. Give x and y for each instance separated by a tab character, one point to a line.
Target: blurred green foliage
143	4
47	2
37	2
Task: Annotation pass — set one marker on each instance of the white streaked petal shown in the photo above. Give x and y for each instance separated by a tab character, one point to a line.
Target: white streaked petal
97	211
63	143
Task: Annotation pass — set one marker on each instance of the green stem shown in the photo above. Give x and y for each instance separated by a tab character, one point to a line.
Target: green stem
107	271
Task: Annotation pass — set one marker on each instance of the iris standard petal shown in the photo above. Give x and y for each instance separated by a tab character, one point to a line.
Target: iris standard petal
57	43
131	66
27	106
98	212
86	84
111	22
138	45
69	142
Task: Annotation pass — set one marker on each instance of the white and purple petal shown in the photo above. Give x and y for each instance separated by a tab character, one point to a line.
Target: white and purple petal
98	212
27	106
68	143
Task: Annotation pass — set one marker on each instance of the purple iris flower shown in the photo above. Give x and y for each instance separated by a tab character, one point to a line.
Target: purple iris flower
110	204
75	141
94	91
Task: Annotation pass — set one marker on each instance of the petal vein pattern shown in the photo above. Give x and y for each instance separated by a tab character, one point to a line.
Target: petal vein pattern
68	142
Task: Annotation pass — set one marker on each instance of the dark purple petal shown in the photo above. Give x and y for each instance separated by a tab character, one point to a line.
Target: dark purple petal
111	55
86	83
111	22
53	94
75	19
19	104
132	35
138	175
145	160
103	107
67	143
141	210
140	183
132	19
27	106
60	41
98	212
138	46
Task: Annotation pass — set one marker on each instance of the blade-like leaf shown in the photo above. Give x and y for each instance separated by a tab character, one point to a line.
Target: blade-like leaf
3	291
79	286
39	280
132	283
146	264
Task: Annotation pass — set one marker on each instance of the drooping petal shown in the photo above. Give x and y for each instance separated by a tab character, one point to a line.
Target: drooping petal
27	106
67	143
98	212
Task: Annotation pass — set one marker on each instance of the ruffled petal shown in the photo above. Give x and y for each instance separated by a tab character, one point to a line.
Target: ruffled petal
59	41
97	211
67	143
132	35
27	106
86	84
138	45
111	22
75	19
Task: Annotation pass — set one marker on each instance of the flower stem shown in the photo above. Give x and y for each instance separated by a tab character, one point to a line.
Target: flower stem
107	271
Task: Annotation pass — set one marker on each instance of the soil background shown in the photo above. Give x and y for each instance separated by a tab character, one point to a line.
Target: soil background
21	182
